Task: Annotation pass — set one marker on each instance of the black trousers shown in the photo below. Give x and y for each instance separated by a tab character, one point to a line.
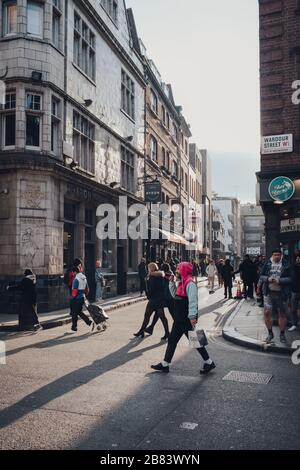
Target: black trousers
160	314
228	289
76	311
249	288
181	326
142	285
170	306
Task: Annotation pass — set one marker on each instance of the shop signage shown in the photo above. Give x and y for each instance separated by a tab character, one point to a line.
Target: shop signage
79	193
253	251
282	189
290	225
277	144
153	192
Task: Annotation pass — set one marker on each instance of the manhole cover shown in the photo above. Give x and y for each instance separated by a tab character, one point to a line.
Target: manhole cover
248	377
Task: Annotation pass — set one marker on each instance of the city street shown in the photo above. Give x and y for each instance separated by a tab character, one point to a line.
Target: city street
97	391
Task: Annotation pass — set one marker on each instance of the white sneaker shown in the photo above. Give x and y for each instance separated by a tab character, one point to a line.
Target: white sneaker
71	332
293	328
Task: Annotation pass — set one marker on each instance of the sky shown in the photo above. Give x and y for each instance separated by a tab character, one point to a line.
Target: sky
209	52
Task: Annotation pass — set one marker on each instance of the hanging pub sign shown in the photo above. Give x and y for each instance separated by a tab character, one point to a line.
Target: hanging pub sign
153	192
277	144
282	189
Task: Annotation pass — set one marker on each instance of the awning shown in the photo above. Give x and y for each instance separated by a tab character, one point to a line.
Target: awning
174	238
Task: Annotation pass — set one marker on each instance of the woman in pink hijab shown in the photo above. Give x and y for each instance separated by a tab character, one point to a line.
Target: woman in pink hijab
185	293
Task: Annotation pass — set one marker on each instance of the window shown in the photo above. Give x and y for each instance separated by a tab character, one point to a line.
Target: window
153	148
35	19
168	160
9	18
127	170
56	23
9	121
55	125
163	153
84	53
168	121
186	148
164	116
84	142
33	120
111	8
154	102
175	169
128	95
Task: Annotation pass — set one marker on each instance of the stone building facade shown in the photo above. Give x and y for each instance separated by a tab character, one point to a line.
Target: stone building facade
280	118
252	230
72	138
230	210
166	156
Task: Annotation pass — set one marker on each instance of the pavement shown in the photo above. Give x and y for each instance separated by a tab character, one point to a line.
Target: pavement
96	391
246	327
58	318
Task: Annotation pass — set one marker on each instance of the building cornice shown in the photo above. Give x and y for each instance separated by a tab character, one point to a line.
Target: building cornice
27	161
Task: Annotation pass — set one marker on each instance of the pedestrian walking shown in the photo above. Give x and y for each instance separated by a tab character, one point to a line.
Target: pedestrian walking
80	289
196	271
228	276
276	280
28	318
185	294
295	288
156	301
211	272
203	268
220	266
142	270
247	270
100	281
166	274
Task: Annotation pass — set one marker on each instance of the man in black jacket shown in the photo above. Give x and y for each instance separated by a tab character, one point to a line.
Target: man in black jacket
295	287
142	269
248	274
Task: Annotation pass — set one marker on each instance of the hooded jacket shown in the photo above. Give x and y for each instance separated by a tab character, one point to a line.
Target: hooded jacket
186	288
80	287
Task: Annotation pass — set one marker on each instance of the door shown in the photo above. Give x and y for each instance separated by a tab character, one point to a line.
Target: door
122	275
89	269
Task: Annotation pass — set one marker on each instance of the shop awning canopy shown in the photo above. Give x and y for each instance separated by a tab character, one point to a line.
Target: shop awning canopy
174	238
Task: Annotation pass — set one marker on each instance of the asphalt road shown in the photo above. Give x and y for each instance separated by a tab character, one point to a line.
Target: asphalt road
97	391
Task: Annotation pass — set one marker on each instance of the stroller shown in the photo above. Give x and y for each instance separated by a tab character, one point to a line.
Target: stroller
98	315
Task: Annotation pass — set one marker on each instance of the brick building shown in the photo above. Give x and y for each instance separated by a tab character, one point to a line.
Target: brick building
280	123
71	121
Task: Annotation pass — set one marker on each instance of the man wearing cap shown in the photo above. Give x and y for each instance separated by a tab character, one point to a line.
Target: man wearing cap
276	279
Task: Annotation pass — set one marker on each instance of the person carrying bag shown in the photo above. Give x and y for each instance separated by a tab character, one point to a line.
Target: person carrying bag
185	293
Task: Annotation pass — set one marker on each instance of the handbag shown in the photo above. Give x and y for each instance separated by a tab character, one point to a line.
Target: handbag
197	339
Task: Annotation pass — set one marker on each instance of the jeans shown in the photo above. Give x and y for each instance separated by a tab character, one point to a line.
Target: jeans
98	291
295	304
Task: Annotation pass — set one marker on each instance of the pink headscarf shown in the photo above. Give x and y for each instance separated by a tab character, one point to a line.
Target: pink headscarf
186	272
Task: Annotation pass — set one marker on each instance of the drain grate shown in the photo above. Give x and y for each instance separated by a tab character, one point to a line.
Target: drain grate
248	377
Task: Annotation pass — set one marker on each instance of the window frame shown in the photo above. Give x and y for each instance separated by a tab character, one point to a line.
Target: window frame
4	7
8	111
84	38
128	164
35	113
88	138
57	13
128	98
42	9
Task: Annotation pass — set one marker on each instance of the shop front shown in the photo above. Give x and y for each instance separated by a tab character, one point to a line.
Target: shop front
280	199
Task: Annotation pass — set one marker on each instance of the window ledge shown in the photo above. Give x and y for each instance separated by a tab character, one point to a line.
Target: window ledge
84	74
127	115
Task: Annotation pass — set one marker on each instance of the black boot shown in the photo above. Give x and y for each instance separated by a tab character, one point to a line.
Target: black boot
160	368
139	334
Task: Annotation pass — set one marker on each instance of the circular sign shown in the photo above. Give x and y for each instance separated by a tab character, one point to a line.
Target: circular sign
282	189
